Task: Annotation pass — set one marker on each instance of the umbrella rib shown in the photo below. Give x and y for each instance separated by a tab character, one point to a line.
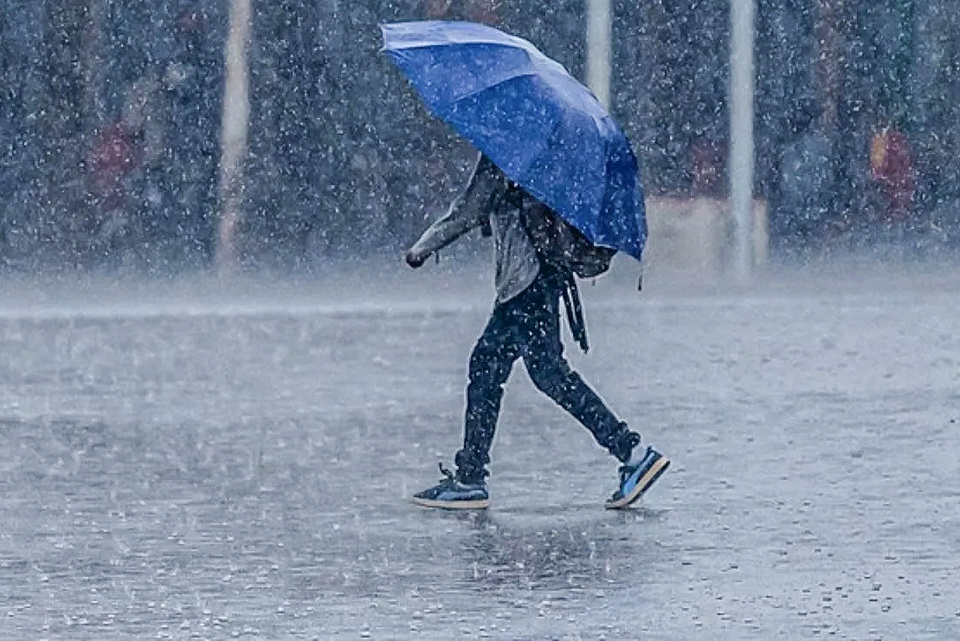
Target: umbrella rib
525	74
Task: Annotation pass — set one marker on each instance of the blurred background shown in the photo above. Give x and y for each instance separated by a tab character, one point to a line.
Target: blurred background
112	112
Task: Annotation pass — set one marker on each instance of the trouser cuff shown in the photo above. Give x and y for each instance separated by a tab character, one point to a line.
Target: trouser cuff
469	470
623	446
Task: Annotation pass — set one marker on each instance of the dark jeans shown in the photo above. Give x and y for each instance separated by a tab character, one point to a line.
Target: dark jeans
528	327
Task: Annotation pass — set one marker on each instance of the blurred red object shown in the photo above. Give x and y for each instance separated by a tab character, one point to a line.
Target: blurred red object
114	154
891	167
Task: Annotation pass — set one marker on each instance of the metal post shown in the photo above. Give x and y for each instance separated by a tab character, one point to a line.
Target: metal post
598	49
233	142
741	132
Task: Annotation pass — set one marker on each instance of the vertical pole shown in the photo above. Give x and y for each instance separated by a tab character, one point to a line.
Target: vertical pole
741	132
233	141
599	49
828	62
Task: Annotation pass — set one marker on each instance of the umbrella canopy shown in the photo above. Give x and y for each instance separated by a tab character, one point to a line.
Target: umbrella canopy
546	131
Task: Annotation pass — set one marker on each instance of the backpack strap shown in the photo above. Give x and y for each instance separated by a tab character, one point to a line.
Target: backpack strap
571	302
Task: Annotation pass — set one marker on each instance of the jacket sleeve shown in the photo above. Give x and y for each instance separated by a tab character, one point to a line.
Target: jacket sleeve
469	211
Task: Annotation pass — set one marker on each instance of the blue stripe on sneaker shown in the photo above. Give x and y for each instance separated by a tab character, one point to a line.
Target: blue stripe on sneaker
643	476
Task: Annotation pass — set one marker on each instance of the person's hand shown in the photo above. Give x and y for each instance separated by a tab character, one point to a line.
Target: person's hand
415	260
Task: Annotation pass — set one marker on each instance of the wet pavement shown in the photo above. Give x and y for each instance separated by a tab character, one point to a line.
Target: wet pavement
223	461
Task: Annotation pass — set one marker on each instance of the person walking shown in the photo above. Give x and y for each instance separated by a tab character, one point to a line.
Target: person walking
524	324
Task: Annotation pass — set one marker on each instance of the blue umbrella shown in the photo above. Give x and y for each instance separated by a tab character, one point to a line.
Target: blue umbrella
545	130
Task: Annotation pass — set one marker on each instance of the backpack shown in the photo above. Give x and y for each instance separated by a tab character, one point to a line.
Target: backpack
557	242
562	245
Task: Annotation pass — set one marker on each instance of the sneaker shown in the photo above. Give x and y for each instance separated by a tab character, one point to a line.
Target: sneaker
451	494
637	479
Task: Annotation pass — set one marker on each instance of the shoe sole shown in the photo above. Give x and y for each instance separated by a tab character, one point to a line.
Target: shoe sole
453	505
649	478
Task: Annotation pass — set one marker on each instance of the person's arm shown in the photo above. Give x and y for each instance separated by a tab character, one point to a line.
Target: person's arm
467	212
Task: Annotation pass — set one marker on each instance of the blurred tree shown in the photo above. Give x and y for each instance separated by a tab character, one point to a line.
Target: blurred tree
670	85
936	88
483	11
60	223
22	90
